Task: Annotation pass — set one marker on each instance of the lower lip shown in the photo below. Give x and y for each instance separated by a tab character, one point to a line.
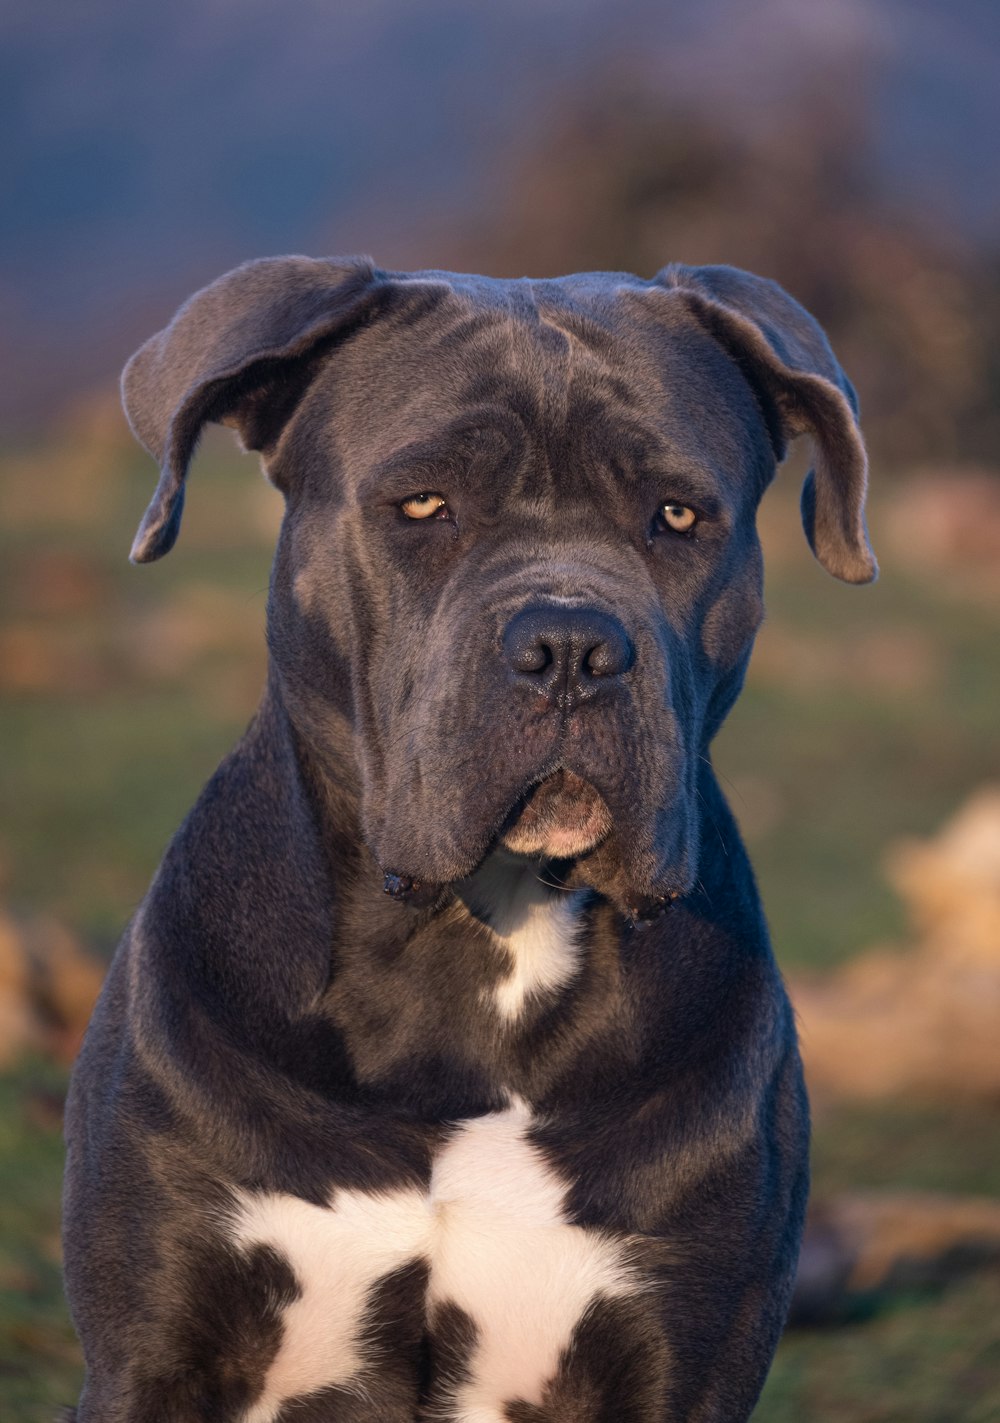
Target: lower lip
564	844
562	830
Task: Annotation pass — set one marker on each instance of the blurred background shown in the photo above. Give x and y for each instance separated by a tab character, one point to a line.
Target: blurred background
848	148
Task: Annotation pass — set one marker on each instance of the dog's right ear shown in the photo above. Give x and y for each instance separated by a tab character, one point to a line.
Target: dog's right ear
241	351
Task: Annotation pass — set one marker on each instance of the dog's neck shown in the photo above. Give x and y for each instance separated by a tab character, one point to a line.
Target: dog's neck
536	921
268	917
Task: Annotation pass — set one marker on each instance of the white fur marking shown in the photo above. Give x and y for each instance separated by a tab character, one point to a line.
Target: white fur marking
499	1246
536	924
336	1253
508	1257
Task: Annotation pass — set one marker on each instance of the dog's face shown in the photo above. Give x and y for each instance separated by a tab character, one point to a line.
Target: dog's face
518	579
521	532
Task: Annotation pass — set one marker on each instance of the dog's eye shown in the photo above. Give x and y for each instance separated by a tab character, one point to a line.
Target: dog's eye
678	517
422	506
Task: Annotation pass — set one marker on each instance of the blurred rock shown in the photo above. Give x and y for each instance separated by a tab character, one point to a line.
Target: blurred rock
951	884
923	1021
48	985
866	1243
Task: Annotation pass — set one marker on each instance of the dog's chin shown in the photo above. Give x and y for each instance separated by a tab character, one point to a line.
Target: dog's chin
566	820
561	818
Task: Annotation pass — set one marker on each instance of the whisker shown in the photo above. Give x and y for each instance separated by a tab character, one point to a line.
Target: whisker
715	827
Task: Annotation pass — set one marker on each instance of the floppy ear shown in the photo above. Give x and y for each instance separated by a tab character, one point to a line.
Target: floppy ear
787	359
241	351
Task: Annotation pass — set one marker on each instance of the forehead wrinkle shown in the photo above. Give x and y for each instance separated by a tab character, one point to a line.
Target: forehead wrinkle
450	448
531	330
551	352
516	363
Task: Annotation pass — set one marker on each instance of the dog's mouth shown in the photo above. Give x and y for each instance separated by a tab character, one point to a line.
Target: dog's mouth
560	818
565	818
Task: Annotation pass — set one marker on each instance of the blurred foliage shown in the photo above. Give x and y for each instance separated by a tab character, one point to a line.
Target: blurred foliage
623	179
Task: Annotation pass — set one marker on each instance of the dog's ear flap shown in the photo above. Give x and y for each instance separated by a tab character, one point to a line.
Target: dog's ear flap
237	352
786	357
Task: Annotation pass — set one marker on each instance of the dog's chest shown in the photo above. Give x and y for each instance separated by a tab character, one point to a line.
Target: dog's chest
493	1231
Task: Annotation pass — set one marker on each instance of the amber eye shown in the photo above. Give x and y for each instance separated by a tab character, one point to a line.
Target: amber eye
422	506
678	517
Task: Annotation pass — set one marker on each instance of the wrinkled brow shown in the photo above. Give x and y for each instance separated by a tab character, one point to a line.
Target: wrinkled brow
636	456
462	448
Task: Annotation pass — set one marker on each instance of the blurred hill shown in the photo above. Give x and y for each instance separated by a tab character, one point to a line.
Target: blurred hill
147	149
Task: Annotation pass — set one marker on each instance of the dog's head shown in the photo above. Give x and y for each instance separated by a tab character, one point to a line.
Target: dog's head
518	574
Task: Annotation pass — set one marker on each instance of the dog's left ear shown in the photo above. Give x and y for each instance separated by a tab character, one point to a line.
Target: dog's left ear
241	351
786	357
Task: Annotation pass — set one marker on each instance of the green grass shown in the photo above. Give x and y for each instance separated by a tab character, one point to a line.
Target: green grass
952	1147
96	789
927	1359
39	1358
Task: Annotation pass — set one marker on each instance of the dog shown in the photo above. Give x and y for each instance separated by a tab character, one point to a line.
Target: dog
445	1072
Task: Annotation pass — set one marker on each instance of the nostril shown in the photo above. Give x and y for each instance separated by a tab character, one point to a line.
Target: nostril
610	657
531	656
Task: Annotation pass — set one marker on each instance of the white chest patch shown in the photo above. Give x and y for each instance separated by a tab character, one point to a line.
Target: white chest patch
536	924
492	1228
505	1253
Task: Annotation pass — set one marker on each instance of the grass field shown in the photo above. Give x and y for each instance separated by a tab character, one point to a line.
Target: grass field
869	714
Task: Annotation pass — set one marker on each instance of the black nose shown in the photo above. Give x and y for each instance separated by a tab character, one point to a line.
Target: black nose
567	654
